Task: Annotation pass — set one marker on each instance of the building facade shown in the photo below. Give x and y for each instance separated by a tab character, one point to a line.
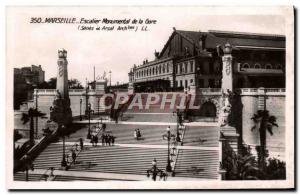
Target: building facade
193	58
25	80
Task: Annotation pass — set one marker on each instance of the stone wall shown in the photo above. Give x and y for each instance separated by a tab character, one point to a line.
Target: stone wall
275	103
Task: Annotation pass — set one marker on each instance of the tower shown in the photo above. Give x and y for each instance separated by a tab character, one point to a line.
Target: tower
61	112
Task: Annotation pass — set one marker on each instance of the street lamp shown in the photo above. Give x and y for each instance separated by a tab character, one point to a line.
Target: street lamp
98	106
89	129
80	117
179	123
63	161
168	136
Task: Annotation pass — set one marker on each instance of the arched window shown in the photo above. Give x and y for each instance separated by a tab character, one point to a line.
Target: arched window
268	66
257	66
246	65
192	66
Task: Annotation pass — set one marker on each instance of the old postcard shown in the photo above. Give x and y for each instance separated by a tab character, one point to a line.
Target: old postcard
150	97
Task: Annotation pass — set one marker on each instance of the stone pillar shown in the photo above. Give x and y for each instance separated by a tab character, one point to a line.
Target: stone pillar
62	74
61	112
227	69
228	131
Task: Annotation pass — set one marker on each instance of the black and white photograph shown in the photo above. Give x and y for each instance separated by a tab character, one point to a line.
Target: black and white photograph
137	97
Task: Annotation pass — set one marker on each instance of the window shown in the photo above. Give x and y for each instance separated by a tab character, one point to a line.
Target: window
246	65
268	66
159	69
163	69
211	83
211	67
185	84
201	83
167	67
181	83
181	68
192	66
186	67
176	84
257	66
191	81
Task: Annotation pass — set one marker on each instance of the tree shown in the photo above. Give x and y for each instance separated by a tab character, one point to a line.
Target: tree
28	117
242	166
74	84
265	122
51	84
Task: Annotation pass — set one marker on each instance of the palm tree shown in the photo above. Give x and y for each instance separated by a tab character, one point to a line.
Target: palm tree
32	112
266	122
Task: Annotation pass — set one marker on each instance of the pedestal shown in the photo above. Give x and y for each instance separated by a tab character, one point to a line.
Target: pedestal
61	112
230	136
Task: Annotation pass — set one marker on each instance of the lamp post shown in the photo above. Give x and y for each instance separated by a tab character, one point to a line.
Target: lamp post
98	106
36	118
110	78
168	136
80	117
89	115
179	123
63	161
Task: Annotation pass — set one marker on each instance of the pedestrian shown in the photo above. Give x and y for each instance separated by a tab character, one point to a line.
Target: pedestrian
103	126
103	139
81	143
154	163
135	134
113	140
96	139
73	156
109	139
92	140
139	135
106	140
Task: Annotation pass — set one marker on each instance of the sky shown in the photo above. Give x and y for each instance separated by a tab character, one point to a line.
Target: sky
117	51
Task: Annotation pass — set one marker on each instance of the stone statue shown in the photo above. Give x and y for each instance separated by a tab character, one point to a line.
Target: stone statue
226	107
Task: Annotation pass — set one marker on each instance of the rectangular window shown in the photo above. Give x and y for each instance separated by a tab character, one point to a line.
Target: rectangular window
211	83
211	68
201	83
181	83
185	83
192	66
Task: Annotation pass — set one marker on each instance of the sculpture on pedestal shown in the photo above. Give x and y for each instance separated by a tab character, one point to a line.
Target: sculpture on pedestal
61	112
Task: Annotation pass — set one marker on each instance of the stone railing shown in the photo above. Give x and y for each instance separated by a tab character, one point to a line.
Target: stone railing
267	91
53	91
